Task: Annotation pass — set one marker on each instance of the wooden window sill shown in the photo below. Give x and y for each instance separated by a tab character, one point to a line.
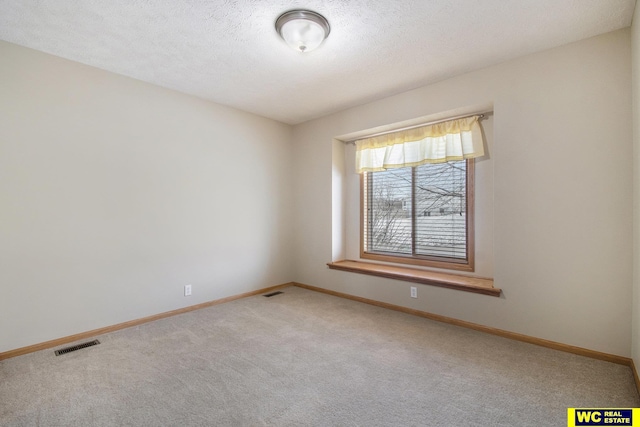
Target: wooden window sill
446	280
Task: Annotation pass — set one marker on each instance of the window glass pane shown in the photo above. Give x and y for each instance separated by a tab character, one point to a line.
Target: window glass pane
441	228
389	215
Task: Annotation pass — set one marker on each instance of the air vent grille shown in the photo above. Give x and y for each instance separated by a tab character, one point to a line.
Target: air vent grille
273	294
76	347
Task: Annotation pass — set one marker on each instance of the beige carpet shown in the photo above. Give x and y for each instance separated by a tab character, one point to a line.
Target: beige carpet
304	358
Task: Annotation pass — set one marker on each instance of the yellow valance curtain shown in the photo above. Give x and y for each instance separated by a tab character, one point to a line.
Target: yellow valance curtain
457	139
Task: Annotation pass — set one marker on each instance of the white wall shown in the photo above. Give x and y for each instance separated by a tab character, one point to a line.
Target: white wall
562	210
635	49
115	193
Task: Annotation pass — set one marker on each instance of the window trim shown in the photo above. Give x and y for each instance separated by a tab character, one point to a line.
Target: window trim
425	260
478	285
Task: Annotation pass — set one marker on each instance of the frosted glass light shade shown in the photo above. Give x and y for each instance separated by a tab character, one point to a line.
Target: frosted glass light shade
303	30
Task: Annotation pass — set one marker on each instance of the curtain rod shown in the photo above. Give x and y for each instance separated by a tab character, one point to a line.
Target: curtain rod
481	115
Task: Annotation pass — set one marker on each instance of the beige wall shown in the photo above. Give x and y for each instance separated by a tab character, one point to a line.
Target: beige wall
561	203
115	193
635	49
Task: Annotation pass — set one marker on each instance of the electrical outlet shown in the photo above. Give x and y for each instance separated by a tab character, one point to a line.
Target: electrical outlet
414	292
187	290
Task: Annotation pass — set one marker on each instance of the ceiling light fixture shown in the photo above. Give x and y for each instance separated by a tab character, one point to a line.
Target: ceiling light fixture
303	30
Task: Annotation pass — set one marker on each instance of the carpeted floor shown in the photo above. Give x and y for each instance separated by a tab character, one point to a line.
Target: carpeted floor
304	358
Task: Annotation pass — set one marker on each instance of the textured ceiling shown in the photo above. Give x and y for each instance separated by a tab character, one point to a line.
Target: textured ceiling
228	51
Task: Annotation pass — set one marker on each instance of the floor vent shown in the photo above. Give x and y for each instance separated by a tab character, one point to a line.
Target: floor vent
77	347
273	294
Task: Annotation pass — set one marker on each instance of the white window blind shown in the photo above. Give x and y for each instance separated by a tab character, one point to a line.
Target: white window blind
417	212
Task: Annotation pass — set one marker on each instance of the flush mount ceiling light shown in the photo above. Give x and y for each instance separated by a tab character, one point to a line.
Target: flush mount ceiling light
303	30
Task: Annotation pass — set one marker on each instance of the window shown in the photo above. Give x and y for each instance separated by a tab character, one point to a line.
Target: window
417	193
417	196
419	215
